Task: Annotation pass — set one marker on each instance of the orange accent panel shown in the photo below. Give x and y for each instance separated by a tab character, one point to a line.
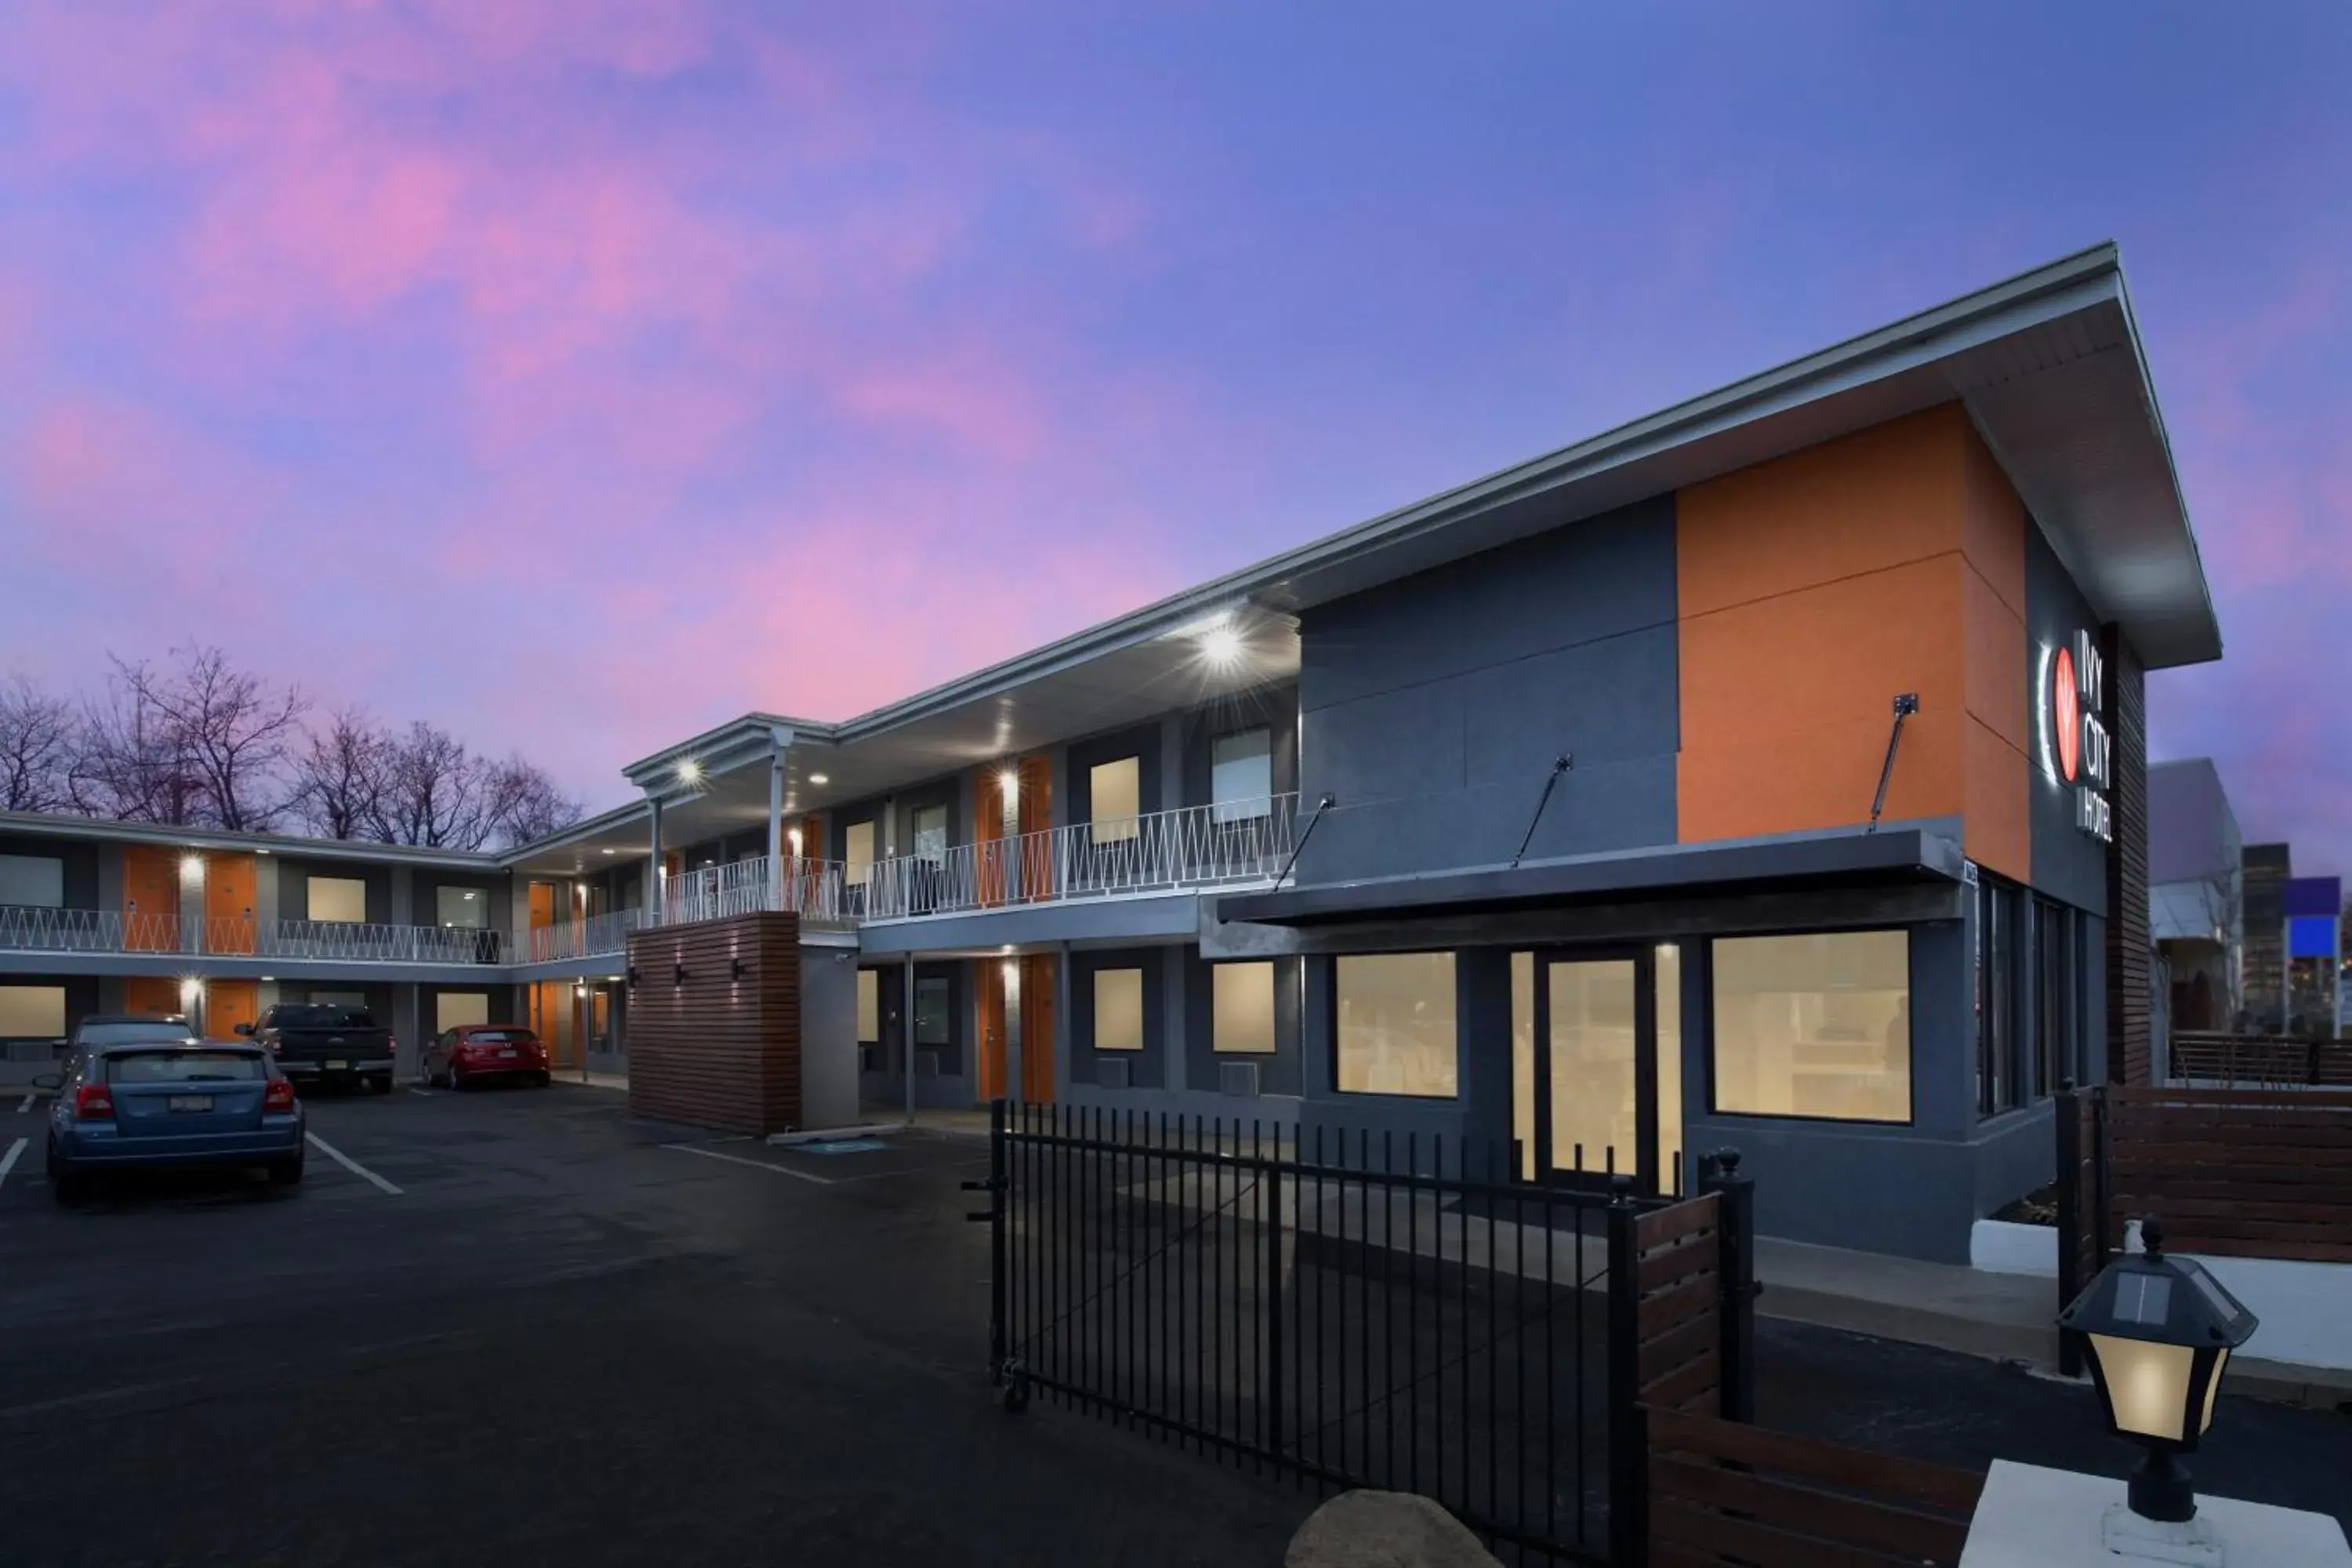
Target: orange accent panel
1998	688
1999	835
987	834
1877	499
1994	528
1037	1001
150	994
151	902
1823	777
227	1004
992	1074
231	892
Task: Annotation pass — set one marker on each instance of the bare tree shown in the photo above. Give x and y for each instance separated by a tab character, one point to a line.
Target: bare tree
232	730
341	775
35	748
128	763
432	793
524	802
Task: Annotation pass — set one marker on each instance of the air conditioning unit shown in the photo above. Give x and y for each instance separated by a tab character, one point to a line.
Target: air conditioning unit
1111	1072
1237	1078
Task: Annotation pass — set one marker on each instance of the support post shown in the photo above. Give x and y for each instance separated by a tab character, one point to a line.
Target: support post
1737	1312
1629	1469
655	878
780	742
2068	1112
906	1038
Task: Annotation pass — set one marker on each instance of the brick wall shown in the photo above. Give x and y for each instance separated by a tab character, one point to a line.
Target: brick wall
717	1047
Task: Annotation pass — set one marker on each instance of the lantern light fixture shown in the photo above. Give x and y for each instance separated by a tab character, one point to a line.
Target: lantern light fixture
2160	1331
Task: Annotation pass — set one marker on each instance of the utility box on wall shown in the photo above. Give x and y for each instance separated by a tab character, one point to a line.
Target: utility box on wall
714	1024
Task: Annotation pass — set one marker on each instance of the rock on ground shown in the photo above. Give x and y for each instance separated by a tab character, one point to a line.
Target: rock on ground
1384	1530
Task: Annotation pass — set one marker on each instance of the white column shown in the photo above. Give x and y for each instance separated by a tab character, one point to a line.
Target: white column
654	873
780	742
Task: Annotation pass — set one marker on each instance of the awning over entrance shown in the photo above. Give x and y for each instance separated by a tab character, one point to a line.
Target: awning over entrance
1845	857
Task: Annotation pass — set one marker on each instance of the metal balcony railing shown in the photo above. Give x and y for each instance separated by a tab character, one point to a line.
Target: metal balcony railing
24	929
1164	851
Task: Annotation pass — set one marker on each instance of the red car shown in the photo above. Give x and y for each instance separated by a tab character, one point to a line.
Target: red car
475	1053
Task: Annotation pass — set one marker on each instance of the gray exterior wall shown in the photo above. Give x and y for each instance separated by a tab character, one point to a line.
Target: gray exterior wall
2068	863
2192	833
78	867
1431	709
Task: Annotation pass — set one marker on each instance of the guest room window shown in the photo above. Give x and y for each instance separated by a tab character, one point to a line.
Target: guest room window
1241	1017
1119	1009
1815	1025
1397	1025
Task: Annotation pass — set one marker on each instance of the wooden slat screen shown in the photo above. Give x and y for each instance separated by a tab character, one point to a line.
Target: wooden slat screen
2234	1171
717	1049
1723	1492
1679	1252
2130	1005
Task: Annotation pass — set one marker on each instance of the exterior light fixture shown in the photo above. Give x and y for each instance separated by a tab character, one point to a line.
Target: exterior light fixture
2160	1331
608	852
794	835
581	992
192	866
819	779
1221	645
689	771
261	852
189	987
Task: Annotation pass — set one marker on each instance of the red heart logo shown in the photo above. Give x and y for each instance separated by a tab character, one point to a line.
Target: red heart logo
2066	714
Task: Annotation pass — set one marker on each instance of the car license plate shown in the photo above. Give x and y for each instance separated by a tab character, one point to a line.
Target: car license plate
506	1053
190	1102
339	1067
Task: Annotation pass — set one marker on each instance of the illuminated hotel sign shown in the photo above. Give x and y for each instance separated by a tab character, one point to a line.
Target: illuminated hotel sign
2076	753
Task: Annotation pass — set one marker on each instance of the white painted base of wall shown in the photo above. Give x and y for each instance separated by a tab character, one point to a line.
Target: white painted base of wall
2305	1309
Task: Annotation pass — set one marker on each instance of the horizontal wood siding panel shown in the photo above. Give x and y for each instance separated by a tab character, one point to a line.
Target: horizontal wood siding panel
717	1047
2246	1172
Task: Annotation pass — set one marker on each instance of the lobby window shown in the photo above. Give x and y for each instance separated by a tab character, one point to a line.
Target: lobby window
32	1012
455	1009
931	831
1115	796
1119	1009
857	851
869	1006
933	1001
467	908
32	881
1816	1026
1241	1017
1241	775
1996	995
342	900
1397	1025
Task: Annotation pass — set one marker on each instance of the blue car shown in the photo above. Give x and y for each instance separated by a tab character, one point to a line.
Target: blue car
153	1105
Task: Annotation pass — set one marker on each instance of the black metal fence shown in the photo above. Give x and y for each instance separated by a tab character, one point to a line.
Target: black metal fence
1345	1308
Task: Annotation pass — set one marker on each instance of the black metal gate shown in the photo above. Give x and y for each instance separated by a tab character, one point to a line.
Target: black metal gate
1349	1309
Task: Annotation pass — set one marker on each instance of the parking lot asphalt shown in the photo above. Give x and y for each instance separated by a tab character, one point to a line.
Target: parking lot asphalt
524	1328
518	1326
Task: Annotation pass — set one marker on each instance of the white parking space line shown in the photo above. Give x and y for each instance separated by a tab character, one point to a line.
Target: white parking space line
755	1165
348	1163
8	1160
421	1093
24	1104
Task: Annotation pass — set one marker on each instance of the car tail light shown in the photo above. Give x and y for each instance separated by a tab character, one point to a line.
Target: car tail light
93	1104
279	1096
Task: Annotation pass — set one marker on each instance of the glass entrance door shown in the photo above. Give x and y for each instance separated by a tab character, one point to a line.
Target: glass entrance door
1591	1059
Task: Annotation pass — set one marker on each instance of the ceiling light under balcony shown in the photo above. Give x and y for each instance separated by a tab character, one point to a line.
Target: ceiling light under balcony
689	771
1221	646
819	779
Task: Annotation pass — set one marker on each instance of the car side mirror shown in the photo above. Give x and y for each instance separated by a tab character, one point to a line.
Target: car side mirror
49	1080
245	1028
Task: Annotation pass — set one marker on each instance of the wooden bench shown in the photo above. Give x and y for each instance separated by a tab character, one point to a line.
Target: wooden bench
1722	1492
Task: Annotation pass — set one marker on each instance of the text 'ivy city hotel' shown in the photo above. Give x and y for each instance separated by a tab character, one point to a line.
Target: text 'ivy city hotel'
1540	810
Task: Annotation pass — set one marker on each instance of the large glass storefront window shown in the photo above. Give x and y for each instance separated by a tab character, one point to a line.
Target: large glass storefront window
1814	1026
1397	1025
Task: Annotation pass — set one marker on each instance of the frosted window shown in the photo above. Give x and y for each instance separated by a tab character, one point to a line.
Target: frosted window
1814	1026
1397	1025
32	1012
1241	775
857	851
456	1009
468	908
869	1005
342	899
1119	1009
32	881
1115	792
932	833
1242	1016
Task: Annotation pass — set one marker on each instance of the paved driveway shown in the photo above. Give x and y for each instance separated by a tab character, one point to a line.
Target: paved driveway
557	1340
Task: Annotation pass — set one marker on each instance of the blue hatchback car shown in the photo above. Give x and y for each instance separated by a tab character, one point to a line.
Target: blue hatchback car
151	1105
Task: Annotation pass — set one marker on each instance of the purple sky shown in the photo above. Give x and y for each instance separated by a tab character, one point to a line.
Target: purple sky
581	372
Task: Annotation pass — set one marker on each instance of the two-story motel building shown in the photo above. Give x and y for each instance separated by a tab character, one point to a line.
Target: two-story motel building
1540	809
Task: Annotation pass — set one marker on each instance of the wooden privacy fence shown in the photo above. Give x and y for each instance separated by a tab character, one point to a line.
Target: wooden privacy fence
1722	1492
2262	1061
2233	1173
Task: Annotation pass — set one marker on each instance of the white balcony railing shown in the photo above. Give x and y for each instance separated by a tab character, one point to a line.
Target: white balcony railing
1164	851
24	929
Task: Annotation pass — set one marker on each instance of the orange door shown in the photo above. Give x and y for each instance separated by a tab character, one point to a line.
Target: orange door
151	994
988	835
227	1004
1037	999
551	1020
543	904
992	1028
231	884
150	901
1034	815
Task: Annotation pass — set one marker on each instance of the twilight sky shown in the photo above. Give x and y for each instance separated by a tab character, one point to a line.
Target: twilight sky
583	372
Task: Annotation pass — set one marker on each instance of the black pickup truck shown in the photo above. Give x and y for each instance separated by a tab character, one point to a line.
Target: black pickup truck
325	1043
